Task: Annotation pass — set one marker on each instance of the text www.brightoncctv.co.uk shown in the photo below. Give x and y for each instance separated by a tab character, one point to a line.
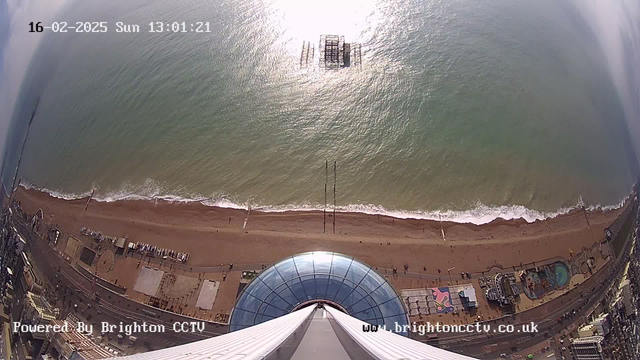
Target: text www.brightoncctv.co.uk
425	328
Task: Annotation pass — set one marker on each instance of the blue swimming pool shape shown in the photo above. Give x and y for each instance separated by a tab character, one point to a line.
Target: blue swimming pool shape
562	274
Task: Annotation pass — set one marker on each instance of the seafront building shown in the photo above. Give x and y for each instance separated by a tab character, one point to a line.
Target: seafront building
587	348
614	333
73	344
624	302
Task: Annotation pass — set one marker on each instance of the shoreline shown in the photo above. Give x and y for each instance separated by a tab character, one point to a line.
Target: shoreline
479	215
215	235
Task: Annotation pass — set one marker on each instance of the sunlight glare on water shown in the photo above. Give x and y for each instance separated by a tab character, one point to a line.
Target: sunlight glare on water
306	21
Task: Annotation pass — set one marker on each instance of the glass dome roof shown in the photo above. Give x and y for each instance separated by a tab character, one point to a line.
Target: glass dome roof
302	278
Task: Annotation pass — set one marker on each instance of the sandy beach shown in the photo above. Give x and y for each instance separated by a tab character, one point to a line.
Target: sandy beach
215	236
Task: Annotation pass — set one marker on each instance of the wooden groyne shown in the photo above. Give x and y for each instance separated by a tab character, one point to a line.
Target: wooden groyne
307	54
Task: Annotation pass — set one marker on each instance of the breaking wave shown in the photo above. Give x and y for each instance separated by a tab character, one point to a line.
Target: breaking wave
479	214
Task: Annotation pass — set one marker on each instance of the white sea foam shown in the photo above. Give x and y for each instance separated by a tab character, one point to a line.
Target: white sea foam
479	214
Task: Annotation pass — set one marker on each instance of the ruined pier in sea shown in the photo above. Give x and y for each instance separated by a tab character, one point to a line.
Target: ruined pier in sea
334	53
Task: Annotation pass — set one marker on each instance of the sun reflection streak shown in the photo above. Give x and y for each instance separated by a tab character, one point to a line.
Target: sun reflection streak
303	20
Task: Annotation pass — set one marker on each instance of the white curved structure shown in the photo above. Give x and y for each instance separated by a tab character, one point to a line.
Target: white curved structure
311	333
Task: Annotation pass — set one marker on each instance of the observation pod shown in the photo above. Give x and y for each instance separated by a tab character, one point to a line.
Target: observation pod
319	277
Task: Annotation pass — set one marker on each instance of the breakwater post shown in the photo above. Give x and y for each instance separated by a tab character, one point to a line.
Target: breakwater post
334	196
86	206
324	210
